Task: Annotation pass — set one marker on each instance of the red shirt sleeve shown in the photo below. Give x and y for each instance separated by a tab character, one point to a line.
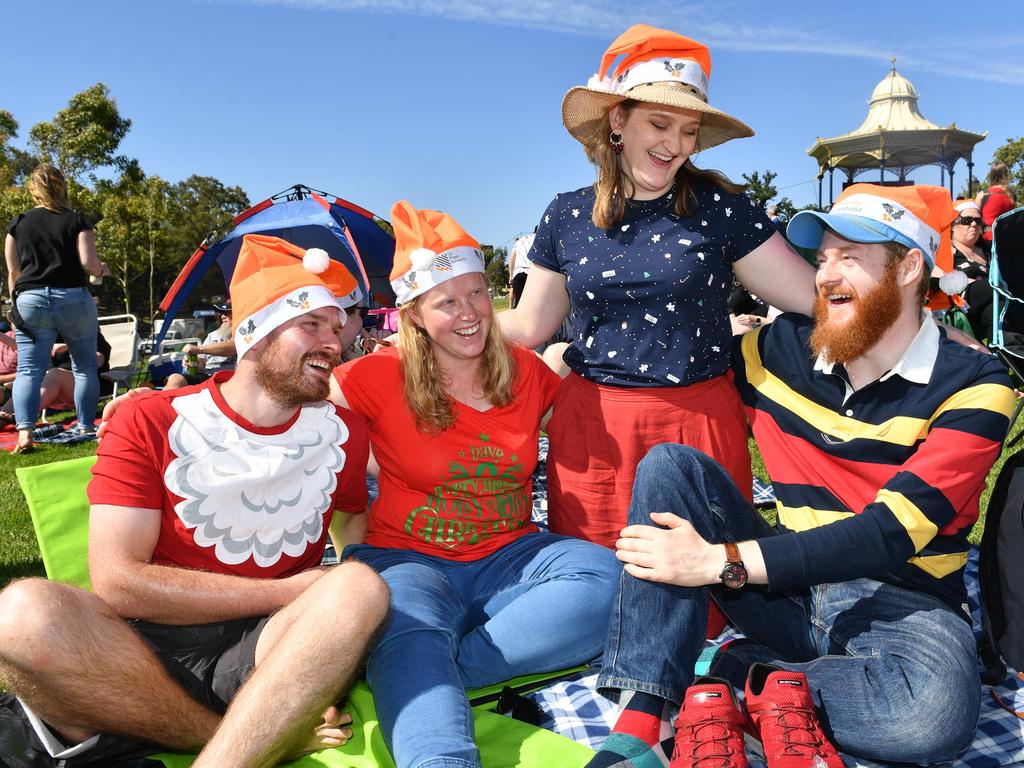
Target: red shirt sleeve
371	383
129	465
351	495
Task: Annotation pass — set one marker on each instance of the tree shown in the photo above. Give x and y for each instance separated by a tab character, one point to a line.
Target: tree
785	208
496	268
1012	153
760	188
83	136
132	234
201	207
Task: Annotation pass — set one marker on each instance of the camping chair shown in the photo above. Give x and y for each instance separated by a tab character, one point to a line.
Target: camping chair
59	508
1006	276
122	333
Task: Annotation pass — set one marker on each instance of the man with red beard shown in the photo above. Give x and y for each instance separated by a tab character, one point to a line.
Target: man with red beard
878	433
209	513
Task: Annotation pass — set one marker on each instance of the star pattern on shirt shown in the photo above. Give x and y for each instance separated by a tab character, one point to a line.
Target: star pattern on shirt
645	312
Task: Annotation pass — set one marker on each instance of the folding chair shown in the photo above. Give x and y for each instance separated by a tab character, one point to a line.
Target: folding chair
60	515
122	333
1006	277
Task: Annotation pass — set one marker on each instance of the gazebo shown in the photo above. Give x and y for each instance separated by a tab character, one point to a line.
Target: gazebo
894	137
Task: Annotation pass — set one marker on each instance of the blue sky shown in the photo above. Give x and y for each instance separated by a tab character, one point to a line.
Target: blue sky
456	105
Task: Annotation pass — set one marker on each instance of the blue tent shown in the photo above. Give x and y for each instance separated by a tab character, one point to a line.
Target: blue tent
349	233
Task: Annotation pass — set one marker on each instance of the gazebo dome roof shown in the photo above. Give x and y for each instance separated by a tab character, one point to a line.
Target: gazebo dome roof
893	85
893	107
894	134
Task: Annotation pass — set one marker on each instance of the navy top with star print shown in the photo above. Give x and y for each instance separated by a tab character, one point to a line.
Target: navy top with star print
648	296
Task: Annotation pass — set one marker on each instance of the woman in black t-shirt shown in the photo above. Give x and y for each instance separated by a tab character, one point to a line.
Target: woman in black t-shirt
50	253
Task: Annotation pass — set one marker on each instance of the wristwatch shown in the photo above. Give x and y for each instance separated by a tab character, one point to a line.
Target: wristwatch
734	574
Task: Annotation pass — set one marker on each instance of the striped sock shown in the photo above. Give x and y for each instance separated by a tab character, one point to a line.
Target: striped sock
642	736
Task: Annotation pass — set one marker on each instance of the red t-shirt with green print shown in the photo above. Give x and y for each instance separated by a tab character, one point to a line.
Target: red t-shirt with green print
461	494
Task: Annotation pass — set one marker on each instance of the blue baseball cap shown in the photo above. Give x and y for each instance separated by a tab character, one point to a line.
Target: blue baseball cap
915	217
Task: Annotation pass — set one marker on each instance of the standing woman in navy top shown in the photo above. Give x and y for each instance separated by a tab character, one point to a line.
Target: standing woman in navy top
50	253
643	263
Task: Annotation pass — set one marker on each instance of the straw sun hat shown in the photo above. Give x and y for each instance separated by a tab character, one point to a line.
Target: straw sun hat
659	67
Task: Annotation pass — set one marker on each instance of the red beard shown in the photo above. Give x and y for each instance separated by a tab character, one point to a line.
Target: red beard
873	315
288	382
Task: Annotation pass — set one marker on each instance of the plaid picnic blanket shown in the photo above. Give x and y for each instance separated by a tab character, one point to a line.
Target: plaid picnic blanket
573	708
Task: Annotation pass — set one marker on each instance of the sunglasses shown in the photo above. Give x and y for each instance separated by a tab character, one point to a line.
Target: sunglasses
353	311
968	220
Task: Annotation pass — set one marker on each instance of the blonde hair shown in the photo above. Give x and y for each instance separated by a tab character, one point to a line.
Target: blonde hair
47	186
424	381
613	188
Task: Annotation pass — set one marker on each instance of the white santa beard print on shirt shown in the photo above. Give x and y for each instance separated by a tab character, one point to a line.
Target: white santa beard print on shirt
247	495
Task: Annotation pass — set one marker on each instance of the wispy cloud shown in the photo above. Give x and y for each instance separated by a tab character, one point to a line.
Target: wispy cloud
714	23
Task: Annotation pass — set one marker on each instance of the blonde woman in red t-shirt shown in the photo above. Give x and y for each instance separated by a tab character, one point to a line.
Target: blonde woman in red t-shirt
478	593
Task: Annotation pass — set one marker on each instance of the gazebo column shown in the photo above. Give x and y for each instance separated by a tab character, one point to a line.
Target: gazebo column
831	199
821	179
970	174
942	169
951	192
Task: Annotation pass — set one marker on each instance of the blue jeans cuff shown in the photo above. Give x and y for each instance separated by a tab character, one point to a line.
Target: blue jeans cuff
605	682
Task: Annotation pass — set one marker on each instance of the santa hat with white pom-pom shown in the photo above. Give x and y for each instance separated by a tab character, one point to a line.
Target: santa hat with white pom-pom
275	281
430	248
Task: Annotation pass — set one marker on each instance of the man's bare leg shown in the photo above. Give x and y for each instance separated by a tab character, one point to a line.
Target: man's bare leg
306	659
81	669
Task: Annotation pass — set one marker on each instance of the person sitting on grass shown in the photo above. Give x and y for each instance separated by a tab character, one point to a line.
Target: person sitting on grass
878	432
57	391
209	514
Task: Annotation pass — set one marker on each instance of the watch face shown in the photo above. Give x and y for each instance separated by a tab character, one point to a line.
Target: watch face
734	575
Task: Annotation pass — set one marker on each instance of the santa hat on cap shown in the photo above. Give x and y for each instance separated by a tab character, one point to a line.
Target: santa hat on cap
915	217
963	205
275	281
430	248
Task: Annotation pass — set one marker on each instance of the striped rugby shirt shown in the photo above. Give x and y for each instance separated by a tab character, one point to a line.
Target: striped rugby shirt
883	482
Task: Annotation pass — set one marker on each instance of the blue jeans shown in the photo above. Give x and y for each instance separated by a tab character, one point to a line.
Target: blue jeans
892	670
538	604
71	312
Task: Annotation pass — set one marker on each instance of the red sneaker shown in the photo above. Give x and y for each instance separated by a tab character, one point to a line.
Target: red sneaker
782	714
709	729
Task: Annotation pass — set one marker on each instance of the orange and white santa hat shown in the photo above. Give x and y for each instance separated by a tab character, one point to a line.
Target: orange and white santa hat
915	217
658	66
275	281
430	248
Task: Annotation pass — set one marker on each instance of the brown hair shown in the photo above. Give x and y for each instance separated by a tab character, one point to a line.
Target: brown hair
47	187
425	382
613	188
998	174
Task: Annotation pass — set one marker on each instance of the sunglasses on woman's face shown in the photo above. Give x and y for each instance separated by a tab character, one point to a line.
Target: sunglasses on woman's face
353	311
968	220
